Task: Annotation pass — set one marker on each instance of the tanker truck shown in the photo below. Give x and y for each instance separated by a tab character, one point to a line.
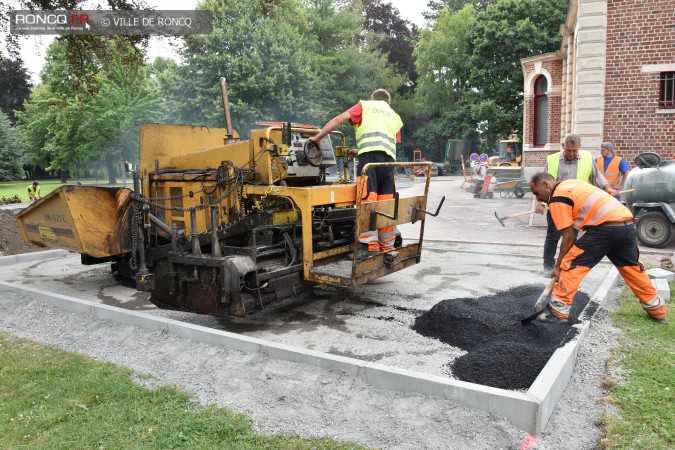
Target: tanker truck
653	201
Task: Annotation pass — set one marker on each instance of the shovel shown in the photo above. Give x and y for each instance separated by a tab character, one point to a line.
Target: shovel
539	305
502	219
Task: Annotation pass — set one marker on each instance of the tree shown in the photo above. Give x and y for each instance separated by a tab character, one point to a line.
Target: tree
347	57
260	49
436	6
11	150
396	38
442	63
77	46
68	124
14	86
499	38
110	121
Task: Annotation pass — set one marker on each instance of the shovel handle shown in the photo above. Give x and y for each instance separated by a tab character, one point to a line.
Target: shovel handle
519	214
544	295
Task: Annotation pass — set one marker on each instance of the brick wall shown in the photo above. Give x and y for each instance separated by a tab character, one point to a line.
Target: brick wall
529	68
529	121
554	112
638	33
555	69
537	158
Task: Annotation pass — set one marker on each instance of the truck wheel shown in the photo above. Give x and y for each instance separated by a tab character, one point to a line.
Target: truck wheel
654	229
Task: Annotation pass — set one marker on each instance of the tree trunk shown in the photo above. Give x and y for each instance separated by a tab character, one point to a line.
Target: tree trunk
124	172
64	176
110	166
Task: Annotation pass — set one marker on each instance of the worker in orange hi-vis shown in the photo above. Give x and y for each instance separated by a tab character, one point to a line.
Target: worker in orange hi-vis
377	128
614	168
609	231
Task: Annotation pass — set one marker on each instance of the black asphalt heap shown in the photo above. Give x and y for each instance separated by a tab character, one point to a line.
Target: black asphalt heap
500	351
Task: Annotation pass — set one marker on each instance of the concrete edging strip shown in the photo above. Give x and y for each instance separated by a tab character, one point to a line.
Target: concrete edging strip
30	257
552	381
528	411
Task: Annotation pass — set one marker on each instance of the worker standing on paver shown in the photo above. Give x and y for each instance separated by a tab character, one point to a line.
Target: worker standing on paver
570	164
34	192
614	168
609	231
377	133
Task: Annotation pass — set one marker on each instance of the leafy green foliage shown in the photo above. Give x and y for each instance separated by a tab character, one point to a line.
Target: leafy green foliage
499	38
436	7
396	38
11	150
261	51
470	77
442	62
77	46
73	120
14	86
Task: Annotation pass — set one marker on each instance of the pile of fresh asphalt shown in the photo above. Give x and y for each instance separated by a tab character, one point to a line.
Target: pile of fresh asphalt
500	351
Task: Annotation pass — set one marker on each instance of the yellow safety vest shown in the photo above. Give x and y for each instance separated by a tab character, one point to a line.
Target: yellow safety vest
584	165
35	191
378	128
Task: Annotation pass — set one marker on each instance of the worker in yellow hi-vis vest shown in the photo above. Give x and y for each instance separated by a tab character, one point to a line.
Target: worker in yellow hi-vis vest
377	128
570	163
34	191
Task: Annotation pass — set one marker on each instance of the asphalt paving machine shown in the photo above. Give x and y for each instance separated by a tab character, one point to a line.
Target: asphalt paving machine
224	226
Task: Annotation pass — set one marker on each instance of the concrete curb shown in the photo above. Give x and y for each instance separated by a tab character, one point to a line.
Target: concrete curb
528	411
30	257
549	386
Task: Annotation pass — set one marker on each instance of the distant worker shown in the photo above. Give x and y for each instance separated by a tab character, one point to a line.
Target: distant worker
377	129
570	164
509	153
614	168
34	191
609	231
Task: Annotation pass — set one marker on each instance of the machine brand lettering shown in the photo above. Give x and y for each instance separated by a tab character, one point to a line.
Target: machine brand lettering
55	217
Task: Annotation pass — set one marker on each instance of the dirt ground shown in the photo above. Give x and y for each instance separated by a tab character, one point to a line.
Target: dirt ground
11	241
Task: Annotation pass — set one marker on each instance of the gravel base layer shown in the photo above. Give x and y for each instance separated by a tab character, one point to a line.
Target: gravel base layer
501	352
283	397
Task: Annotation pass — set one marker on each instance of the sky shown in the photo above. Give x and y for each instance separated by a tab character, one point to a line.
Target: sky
33	48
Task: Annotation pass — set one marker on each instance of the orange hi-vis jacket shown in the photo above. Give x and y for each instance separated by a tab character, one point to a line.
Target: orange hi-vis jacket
579	204
612	174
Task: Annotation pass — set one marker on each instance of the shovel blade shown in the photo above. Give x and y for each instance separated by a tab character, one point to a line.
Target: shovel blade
539	305
529	319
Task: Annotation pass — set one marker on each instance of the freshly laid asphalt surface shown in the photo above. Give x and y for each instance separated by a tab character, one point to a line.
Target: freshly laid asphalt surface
501	352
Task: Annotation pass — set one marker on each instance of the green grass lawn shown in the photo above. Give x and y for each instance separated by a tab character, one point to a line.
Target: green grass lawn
50	398
20	188
646	392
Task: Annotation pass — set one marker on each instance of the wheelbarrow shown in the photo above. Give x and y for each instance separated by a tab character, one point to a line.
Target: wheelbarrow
511	188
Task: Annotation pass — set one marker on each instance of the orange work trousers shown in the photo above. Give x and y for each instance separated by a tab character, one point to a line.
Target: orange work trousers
619	244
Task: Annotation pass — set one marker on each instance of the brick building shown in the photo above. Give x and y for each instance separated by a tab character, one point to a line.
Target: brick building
613	79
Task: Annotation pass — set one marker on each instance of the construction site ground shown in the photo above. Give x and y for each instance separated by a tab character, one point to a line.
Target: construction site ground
467	255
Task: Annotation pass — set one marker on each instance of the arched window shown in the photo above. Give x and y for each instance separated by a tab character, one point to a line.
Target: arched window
540	111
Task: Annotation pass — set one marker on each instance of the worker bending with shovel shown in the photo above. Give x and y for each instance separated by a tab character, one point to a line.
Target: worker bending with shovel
609	231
